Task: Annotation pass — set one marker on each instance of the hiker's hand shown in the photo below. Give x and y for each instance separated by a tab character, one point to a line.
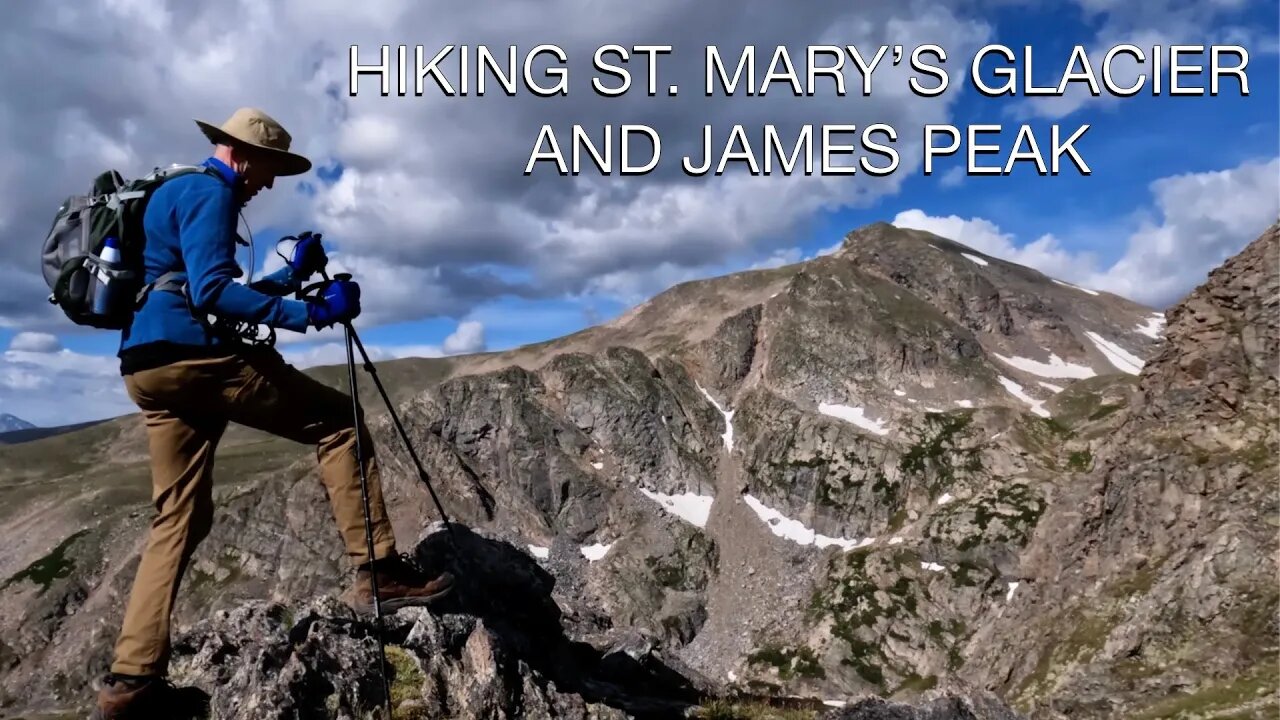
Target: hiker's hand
338	303
308	257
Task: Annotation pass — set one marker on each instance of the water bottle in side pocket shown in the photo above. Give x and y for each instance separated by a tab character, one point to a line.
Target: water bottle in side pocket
102	300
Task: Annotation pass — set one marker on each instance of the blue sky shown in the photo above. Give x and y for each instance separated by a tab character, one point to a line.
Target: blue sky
1155	160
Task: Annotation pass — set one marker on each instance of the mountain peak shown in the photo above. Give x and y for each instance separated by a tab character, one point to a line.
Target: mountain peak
10	423
871	233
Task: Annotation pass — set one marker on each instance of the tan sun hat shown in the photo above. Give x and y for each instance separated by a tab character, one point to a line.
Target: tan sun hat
252	128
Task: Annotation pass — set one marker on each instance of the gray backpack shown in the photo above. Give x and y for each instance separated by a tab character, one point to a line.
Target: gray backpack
72	257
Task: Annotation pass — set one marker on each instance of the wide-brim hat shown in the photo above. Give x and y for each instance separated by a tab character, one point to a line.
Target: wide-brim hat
257	131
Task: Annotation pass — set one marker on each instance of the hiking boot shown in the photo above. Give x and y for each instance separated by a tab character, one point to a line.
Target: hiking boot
132	699
401	583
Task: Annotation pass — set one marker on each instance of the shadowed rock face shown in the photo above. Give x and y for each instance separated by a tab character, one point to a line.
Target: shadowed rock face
902	470
495	649
976	707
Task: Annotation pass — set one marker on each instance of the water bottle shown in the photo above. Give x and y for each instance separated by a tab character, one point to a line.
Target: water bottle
102	295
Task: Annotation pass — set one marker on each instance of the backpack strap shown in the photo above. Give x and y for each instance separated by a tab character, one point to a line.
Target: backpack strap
172	281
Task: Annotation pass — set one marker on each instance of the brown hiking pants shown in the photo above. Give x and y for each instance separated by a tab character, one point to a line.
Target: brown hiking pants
186	406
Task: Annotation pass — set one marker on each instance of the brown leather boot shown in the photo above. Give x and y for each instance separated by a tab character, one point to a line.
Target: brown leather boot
400	584
132	699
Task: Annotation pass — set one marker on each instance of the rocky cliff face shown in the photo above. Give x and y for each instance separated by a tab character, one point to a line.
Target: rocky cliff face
905	470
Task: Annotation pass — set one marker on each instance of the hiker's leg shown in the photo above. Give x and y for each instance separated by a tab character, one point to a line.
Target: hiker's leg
273	396
182	451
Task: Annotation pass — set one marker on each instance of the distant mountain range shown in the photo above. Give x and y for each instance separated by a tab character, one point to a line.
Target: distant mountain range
9	423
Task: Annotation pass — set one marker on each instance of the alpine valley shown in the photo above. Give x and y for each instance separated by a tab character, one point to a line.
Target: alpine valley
901	480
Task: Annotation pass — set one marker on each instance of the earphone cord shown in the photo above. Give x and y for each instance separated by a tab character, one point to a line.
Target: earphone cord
245	331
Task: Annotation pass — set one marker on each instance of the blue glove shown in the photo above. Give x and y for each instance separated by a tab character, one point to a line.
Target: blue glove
338	303
308	256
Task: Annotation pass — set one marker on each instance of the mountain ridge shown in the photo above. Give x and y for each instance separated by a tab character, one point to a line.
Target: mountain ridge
817	480
11	423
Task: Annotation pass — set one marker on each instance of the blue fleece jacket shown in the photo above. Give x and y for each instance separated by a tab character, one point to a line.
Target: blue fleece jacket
190	224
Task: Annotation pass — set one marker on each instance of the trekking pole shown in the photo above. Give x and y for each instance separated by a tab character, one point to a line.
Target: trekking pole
368	523
352	337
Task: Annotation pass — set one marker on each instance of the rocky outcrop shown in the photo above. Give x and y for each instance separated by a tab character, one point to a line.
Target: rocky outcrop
975	706
495	649
1152	580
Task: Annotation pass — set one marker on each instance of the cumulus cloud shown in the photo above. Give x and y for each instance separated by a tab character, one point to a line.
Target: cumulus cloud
331	349
35	342
335	353
86	387
1045	253
423	192
1199	220
468	338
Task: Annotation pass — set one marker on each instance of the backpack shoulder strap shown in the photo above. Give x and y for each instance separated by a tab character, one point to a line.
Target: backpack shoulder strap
172	281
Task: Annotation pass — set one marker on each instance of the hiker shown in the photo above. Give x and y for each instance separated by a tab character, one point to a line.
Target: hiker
190	377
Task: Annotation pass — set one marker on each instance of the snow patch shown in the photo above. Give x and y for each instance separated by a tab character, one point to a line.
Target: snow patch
899	393
895	540
1153	327
1077	287
733	677
945	498
1050	386
976	259
933	409
935	567
913	401
1118	356
837	703
965	403
595	552
1012	586
854	415
1037	406
690	507
728	420
540	552
1055	368
598	465
796	531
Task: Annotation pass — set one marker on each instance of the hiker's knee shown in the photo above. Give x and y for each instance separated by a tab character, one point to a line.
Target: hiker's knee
343	439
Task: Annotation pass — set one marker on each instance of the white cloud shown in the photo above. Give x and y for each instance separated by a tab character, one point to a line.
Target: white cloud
61	387
1206	218
1045	253
35	342
335	353
1199	220
433	186
468	338
330	348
